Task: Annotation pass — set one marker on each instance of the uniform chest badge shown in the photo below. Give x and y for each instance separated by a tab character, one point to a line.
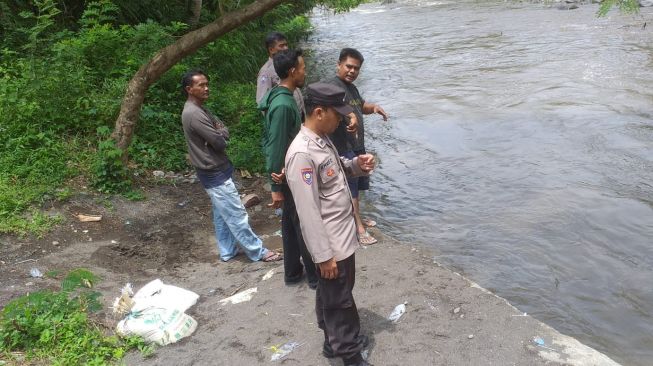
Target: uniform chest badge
330	172
307	175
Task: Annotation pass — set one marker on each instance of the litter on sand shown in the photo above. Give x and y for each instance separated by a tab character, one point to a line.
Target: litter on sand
283	351
156	312
365	353
89	218
398	311
34	272
268	275
240	297
540	343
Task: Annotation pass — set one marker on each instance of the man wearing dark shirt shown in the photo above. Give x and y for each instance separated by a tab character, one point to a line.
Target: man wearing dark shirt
348	144
207	138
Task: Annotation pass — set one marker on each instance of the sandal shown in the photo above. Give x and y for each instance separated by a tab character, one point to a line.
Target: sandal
368	222
271	256
366	239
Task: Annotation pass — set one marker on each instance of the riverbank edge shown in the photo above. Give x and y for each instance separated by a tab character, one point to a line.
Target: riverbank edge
449	319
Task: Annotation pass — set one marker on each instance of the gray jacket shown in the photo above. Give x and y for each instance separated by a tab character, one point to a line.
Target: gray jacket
268	79
206	137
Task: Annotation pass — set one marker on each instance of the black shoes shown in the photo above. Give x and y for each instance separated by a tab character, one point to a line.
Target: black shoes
327	351
356	361
312	283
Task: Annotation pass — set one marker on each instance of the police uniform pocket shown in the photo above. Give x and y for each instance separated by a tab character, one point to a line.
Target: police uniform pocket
328	170
328	192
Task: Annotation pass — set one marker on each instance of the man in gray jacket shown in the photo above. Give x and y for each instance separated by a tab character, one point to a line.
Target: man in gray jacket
207	138
267	77
317	178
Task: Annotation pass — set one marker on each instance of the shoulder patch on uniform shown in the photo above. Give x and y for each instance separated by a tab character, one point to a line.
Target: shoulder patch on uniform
307	175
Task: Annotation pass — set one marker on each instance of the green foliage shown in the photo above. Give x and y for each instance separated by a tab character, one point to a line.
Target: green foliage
236	105
109	172
41	20
34	222
59	101
99	13
625	6
54	326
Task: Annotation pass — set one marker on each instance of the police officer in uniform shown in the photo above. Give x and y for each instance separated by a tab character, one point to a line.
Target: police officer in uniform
316	176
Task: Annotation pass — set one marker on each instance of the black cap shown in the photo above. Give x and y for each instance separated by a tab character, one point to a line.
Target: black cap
328	95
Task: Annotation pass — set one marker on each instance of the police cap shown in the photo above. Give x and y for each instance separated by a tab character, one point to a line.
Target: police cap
328	95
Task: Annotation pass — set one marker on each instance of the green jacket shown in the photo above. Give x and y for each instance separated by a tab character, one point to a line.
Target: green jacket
282	122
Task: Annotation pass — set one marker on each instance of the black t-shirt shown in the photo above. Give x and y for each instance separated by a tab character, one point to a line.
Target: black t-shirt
343	140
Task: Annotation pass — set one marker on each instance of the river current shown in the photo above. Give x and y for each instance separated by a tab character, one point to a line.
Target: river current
519	148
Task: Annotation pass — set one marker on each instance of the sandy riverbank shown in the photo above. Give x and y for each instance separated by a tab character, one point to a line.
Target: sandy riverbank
449	320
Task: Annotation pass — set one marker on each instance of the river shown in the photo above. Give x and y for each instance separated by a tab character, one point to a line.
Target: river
519	148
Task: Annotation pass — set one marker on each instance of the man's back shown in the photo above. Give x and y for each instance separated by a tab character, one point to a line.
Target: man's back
282	122
268	79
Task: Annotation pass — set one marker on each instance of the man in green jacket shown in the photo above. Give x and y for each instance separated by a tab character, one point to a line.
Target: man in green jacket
282	122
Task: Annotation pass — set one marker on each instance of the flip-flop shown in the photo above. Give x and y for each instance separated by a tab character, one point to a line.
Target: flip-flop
366	239
272	257
368	222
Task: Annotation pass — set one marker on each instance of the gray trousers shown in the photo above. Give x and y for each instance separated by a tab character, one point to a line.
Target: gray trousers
336	310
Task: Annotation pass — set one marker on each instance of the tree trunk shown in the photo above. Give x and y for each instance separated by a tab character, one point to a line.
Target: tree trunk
167	57
195	11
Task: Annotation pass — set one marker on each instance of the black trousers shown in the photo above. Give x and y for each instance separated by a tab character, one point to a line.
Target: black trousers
336	310
293	243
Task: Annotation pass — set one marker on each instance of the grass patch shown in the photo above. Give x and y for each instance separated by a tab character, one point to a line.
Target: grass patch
54	327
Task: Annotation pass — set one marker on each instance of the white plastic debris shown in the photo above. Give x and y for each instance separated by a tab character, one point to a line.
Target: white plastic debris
365	354
34	272
398	311
123	304
240	297
157	293
283	351
268	275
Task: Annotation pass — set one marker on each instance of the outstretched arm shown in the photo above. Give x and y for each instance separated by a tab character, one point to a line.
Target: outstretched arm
359	165
369	108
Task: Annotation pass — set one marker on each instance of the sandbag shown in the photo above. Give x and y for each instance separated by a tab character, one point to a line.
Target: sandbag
156	324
